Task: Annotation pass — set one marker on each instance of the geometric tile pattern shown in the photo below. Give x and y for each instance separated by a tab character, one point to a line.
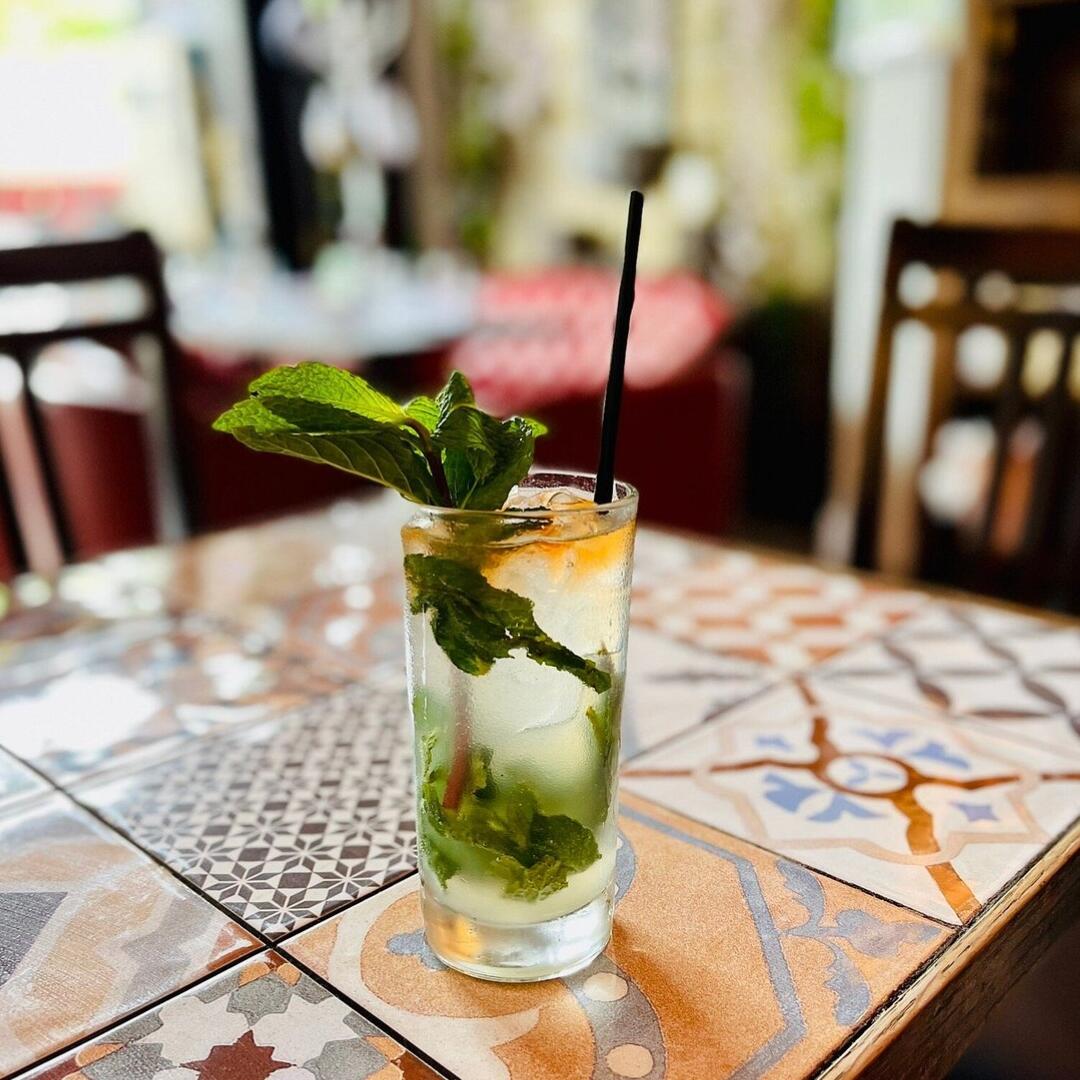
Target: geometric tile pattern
112	696
1021	674
837	776
783	615
671	687
263	1018
658	556
935	815
726	961
283	821
91	930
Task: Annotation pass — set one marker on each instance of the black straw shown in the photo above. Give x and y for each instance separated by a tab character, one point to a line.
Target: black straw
605	471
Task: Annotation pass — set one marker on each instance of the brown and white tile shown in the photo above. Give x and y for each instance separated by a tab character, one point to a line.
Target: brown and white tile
91	930
244	572
936	815
964	660
358	628
283	821
781	615
726	961
659	555
671	687
263	1018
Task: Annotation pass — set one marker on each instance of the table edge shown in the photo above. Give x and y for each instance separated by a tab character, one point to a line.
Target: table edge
963	978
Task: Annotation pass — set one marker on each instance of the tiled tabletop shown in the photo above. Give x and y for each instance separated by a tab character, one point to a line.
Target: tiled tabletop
206	818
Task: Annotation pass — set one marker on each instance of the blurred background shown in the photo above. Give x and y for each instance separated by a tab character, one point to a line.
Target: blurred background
403	187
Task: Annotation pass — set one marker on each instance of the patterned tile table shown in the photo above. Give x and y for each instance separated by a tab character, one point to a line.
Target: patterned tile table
839	797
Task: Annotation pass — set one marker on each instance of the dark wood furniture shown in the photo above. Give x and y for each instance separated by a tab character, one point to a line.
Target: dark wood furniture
133	256
1013	152
1033	290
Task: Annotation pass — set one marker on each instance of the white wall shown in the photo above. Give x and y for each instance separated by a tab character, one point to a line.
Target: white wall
898	105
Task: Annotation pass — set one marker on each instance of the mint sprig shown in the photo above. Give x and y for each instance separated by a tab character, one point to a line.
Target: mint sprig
501	826
440	451
476	624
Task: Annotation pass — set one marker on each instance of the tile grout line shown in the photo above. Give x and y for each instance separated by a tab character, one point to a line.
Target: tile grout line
948	944
717	717
263	939
773	675
326	916
184	746
240	920
130	841
55	1056
147	759
819	669
842	683
901	987
721	717
409	1045
268	944
955	928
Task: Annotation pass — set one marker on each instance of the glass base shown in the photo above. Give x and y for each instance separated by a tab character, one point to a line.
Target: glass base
527	953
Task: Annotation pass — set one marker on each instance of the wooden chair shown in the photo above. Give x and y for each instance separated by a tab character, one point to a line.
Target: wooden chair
133	256
1021	282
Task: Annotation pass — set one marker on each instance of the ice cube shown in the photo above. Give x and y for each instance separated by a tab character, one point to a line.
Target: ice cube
553	498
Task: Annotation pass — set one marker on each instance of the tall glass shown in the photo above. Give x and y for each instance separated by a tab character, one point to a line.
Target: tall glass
516	765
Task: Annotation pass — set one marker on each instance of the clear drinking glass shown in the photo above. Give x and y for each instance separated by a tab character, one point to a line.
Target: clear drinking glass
516	767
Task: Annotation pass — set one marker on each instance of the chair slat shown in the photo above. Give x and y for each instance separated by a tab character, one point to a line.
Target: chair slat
131	256
1048	549
1006	417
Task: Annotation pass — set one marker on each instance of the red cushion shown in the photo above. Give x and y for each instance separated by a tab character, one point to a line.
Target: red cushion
546	336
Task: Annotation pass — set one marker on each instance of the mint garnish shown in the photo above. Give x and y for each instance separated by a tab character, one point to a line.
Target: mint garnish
476	624
501	826
334	433
441	451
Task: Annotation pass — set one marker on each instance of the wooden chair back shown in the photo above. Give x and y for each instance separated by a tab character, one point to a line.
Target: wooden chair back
1022	283
132	256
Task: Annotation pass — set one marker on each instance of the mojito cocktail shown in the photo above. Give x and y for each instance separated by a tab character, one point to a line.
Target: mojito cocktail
518	587
516	630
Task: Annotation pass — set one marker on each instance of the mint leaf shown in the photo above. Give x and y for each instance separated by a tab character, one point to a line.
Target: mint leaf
441	450
425	410
500	823
604	720
326	415
562	838
480	781
600	721
457	391
389	456
321	384
534	882
250	415
442	865
483	457
476	624
534	853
